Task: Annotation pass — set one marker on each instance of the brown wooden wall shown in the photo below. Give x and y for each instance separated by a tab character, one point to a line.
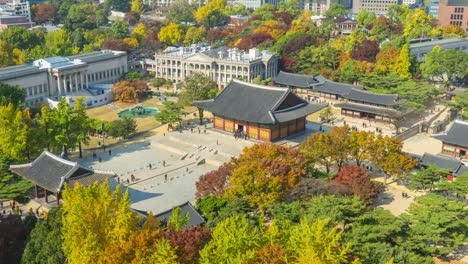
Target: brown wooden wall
264	133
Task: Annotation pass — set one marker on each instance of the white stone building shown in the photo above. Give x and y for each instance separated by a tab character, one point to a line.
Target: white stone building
221	65
55	77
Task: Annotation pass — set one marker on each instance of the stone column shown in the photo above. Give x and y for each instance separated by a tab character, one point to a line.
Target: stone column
81	80
87	78
57	198
76	81
59	85
64	84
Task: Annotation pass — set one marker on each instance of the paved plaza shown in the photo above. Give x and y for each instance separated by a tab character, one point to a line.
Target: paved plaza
177	160
420	143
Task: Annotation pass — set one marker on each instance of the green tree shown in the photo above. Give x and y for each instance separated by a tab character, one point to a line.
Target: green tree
439	225
117	5
63	120
365	18
233	241
122	128
164	253
326	114
417	24
177	221
461	104
119	29
195	35
398	13
197	86
20	37
12	186
336	10
81	124
45	242
12	94
171	114
58	43
450	63
6	54
427	178
93	218
181	11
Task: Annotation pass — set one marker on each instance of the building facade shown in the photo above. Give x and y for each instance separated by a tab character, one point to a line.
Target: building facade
455	140
454	12
353	100
259	112
55	77
432	8
421	47
221	65
380	7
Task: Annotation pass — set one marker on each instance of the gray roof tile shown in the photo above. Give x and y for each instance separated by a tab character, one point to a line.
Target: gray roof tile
257	104
370	109
457	134
185	208
443	162
373	98
295	80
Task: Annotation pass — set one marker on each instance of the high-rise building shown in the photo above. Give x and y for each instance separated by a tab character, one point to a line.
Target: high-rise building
432	8
454	12
378	6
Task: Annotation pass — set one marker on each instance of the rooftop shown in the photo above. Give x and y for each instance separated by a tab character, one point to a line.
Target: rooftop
295	80
18	71
221	53
51	172
456	134
457	3
433	42
185	208
443	162
258	104
369	97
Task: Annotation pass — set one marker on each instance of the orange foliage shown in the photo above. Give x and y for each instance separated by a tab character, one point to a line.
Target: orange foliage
274	28
359	181
270	254
127	91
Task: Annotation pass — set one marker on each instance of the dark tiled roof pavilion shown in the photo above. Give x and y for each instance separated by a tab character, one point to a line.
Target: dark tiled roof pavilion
258	104
457	134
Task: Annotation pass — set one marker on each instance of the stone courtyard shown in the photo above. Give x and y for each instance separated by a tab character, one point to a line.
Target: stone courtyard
177	160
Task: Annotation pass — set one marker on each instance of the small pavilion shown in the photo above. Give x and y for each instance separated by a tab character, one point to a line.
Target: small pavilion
49	173
259	112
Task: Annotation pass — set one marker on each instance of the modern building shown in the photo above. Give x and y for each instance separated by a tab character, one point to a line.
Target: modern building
408	2
7	21
55	77
50	173
454	12
432	8
354	101
420	47
221	65
379	7
259	112
16	8
455	140
322	6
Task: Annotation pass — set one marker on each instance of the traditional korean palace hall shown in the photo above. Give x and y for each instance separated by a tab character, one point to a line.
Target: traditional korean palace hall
49	173
259	112
455	140
353	100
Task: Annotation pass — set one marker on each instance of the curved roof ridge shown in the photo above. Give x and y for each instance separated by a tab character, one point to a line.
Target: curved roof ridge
298	74
260	86
57	158
369	92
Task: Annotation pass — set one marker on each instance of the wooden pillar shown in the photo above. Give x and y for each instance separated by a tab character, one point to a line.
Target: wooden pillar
36	190
57	198
45	196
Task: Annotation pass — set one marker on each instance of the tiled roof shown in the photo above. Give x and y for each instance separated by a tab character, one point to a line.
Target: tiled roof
390	112
51	172
185	208
373	98
457	134
295	80
443	162
342	89
258	104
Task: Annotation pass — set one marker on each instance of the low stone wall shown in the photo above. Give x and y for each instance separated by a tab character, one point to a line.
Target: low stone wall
412	131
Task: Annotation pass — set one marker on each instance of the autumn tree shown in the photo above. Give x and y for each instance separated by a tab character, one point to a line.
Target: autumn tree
360	143
317	243
359	181
386	154
266	173
127	91
402	68
43	12
417	24
94	217
188	242
212	13
254	39
214	182
172	33
387	60
233	241
310	187
195	35
365	51
197	86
